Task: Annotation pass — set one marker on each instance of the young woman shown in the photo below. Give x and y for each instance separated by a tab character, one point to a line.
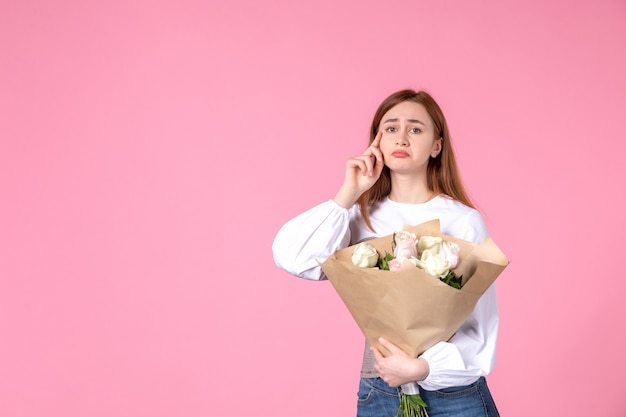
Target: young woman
407	175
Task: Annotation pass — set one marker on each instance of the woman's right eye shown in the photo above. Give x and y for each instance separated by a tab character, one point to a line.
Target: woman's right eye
391	129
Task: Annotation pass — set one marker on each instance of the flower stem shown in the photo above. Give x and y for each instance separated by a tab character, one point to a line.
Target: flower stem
412	406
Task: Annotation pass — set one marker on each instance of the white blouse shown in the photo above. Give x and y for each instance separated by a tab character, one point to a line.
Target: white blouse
310	238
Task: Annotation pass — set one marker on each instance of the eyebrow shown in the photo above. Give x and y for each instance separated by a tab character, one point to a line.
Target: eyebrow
414	121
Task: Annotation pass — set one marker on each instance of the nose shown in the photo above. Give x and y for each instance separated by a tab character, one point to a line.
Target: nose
401	139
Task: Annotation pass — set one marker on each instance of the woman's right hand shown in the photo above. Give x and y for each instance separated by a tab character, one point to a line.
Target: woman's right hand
362	172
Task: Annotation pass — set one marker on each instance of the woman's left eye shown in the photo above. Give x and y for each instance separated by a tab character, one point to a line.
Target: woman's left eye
415	130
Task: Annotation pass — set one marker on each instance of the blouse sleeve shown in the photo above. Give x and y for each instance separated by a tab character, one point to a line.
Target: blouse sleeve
310	238
471	352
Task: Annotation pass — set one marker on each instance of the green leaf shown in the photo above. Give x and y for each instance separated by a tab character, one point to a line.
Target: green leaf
383	263
452	280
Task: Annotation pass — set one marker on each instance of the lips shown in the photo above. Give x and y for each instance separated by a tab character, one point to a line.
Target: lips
400	154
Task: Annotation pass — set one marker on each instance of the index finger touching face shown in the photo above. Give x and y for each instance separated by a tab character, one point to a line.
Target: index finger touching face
376	141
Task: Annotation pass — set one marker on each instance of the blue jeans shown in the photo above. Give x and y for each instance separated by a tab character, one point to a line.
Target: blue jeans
377	399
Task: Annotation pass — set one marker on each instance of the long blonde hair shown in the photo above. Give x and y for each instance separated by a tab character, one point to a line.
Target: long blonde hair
442	173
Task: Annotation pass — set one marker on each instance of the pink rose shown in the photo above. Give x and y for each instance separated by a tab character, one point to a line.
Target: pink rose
395	263
405	245
450	251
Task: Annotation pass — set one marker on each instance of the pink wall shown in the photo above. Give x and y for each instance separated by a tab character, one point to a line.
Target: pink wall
149	151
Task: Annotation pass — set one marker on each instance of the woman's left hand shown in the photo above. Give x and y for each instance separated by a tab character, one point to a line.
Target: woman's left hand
398	368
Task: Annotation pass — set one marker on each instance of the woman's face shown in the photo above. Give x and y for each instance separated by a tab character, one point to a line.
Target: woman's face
408	139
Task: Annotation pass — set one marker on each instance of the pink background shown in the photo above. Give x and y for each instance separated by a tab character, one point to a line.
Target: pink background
149	152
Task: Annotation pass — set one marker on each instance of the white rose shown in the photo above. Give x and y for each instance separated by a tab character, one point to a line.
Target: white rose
364	255
433	264
432	243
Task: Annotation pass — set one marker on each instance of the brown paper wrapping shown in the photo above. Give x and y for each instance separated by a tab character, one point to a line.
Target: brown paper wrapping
409	307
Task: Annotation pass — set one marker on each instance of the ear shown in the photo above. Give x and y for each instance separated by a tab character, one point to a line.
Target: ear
437	146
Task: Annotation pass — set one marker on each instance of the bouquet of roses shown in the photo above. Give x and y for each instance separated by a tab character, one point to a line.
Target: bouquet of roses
434	255
416	295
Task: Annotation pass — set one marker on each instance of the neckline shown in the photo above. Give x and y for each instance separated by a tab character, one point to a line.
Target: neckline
434	197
